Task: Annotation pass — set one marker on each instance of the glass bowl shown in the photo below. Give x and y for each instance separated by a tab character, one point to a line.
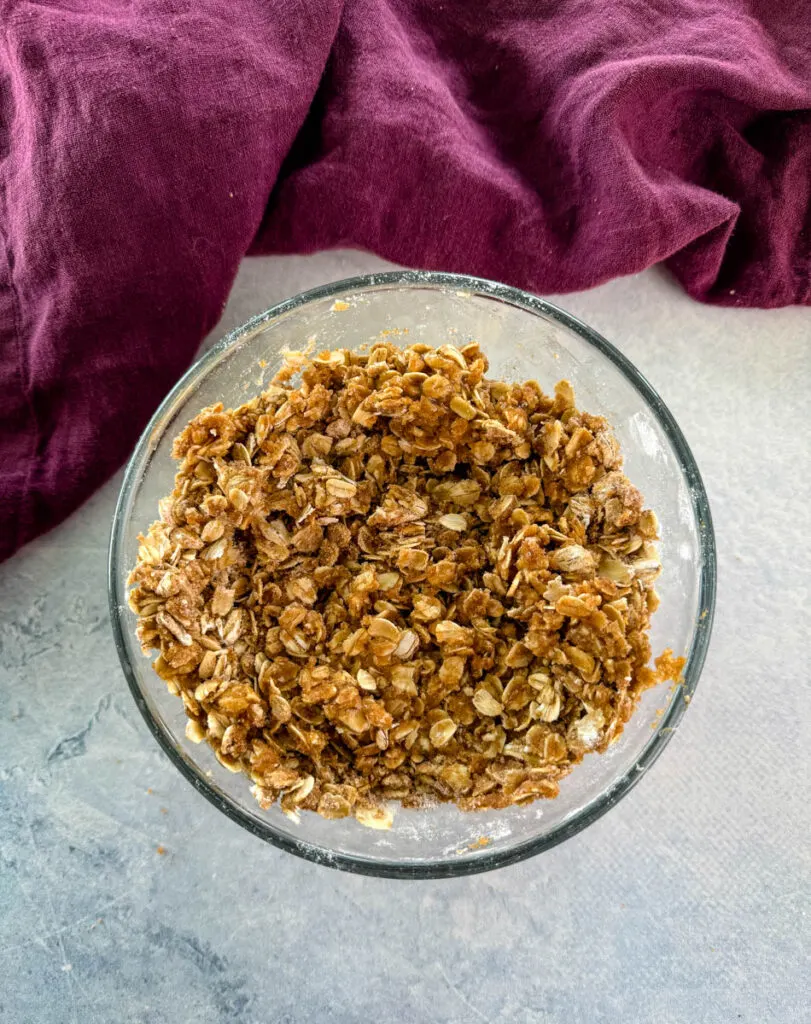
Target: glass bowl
524	338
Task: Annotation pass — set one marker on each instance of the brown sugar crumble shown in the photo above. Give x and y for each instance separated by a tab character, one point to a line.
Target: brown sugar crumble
388	578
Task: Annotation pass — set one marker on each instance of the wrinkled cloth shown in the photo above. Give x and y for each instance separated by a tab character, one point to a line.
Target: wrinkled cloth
146	147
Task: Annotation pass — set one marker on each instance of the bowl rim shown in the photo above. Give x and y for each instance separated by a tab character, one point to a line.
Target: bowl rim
696	655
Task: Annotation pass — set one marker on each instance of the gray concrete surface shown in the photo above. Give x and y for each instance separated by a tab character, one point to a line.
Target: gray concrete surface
687	903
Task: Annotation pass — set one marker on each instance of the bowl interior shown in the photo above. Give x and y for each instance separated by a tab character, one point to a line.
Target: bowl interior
524	338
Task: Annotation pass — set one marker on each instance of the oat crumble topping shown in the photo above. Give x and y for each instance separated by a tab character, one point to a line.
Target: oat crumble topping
390	578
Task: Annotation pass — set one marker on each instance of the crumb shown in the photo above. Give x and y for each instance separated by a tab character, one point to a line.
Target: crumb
480	843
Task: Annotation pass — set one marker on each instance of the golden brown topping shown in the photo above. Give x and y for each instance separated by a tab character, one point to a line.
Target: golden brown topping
395	579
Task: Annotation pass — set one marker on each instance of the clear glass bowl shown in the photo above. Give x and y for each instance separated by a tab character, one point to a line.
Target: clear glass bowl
524	337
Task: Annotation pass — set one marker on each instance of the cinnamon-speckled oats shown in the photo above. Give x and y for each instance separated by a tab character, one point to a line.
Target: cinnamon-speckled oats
388	577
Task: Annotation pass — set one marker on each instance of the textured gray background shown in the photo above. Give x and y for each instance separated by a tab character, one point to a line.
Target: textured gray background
687	903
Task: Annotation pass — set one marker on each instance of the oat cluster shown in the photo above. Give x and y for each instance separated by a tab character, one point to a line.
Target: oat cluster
390	578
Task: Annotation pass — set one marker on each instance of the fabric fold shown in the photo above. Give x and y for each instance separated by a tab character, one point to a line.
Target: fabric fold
145	149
